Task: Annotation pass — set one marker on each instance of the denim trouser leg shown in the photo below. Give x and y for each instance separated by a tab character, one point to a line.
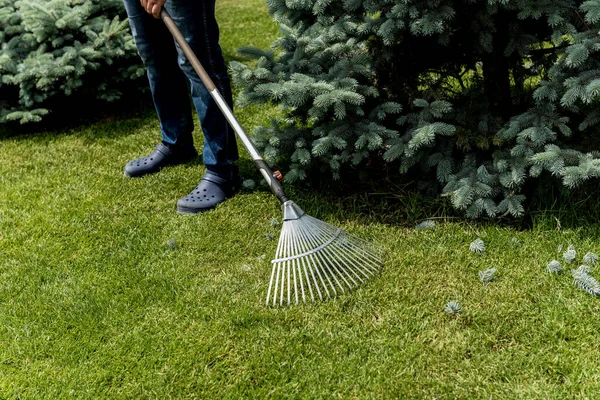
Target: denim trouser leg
165	62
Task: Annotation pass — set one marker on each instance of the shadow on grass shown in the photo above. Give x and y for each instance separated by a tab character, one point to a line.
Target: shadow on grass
554	207
232	55
391	201
549	206
383	202
112	120
97	120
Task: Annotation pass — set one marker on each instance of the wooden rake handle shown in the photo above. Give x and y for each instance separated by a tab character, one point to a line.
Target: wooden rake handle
262	166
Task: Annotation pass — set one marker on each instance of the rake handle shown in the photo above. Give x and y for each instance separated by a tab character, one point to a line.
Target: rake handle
262	166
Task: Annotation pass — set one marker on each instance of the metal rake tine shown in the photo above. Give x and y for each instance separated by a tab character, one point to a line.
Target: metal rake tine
373	263
346	244
271	284
327	265
275	268
341	275
312	269
290	263
336	251
304	248
296	245
276	287
315	282
323	263
349	267
312	296
278	267
353	265
372	258
289	281
322	282
307	240
284	267
340	268
368	250
295	287
296	273
298	276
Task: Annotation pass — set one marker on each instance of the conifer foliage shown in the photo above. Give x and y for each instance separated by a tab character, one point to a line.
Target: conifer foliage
473	97
50	49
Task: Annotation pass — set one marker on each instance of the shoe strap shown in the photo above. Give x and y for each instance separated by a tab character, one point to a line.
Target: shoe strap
164	150
214	178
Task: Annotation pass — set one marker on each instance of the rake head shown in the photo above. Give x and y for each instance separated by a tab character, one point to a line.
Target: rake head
315	260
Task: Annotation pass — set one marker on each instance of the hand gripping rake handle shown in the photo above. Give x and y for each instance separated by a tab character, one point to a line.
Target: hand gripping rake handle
262	166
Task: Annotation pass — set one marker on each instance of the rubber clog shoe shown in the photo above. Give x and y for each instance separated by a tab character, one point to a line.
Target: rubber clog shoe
161	157
211	191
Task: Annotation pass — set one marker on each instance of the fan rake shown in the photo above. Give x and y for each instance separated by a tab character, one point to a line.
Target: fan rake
315	259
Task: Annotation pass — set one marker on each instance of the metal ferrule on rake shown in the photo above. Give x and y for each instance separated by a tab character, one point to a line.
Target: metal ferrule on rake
313	258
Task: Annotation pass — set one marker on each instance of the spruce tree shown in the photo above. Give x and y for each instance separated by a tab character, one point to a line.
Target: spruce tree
473	97
52	49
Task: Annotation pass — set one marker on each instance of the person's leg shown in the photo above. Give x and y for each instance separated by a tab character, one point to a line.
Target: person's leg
170	92
196	21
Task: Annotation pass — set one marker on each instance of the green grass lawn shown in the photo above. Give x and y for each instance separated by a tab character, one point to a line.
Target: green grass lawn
105	292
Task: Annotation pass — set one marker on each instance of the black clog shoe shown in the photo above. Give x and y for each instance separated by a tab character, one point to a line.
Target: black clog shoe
161	157
211	191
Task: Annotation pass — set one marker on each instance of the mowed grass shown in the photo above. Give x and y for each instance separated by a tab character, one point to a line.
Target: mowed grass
105	292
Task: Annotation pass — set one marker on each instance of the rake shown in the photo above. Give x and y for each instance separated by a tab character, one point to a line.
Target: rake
314	260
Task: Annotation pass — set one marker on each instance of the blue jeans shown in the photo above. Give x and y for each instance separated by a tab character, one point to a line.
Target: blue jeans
172	77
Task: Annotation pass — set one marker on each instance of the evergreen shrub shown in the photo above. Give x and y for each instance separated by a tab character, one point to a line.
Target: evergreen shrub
472	98
52	50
